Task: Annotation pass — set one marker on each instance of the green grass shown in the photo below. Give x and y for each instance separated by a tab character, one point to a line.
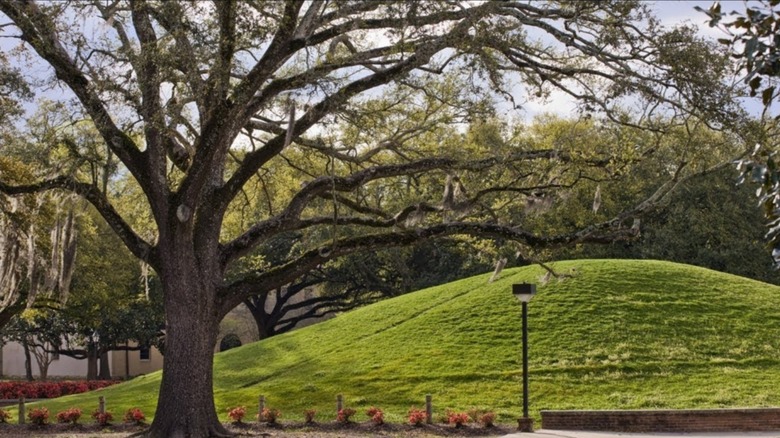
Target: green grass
620	334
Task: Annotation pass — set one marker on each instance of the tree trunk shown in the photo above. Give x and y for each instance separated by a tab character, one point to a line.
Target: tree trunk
105	369
185	406
43	366
92	358
27	363
261	320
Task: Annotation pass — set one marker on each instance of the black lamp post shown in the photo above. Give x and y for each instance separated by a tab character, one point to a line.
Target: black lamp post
524	292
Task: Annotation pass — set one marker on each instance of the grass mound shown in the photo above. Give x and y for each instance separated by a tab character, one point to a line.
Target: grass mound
617	334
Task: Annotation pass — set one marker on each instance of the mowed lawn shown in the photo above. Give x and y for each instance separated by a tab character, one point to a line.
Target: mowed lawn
617	334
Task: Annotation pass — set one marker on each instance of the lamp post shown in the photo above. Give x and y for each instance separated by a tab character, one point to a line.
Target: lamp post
524	292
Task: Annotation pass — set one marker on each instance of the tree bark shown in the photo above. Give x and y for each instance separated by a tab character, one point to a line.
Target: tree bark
185	406
43	370
105	369
92	358
27	363
264	331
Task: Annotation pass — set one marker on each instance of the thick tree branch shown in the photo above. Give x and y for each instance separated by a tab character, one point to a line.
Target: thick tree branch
139	247
605	232
288	219
318	310
420	56
218	82
279	50
39	31
169	18
157	139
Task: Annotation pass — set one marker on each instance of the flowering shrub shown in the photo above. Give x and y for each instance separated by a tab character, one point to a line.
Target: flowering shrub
343	415
102	418
12	390
458	418
4	416
237	414
70	415
309	415
270	415
376	415
134	415
417	417
487	419
38	416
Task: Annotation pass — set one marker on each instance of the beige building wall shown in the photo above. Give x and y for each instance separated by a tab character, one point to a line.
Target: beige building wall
120	362
13	364
130	363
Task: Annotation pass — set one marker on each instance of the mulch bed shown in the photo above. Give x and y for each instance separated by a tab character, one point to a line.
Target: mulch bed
67	430
282	430
365	429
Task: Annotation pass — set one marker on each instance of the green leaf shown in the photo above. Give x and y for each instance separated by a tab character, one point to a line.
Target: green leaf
766	96
750	47
754	84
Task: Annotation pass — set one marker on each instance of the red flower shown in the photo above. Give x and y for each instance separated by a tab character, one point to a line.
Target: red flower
417	417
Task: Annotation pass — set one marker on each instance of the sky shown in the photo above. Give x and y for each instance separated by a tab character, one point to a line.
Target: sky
678	11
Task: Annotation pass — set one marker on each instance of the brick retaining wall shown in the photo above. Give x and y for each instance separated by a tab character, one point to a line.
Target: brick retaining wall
689	420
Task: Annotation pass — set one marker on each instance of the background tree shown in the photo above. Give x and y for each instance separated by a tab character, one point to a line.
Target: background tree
38	242
109	308
753	38
709	222
28	328
198	99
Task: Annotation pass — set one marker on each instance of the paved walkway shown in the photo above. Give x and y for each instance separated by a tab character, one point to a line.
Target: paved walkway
542	433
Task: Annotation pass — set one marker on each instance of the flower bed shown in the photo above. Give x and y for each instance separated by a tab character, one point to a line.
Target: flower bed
10	390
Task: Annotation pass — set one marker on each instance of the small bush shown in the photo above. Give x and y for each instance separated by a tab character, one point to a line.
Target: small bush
343	415
376	415
38	416
308	415
270	415
4	416
231	340
70	415
102	419
134	415
417	417
237	414
458	418
13	389
487	419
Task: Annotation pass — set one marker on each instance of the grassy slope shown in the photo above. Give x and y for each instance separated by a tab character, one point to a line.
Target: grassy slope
621	334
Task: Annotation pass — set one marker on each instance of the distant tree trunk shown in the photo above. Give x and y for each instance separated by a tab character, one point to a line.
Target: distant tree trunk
92	359
43	369
105	369
127	360
265	329
27	363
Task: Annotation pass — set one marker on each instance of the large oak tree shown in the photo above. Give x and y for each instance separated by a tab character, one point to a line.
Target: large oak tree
201	100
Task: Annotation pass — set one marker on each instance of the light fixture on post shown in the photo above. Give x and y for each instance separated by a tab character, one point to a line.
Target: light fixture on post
524	292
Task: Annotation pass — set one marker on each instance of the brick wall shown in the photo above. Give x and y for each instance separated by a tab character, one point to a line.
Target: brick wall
692	420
